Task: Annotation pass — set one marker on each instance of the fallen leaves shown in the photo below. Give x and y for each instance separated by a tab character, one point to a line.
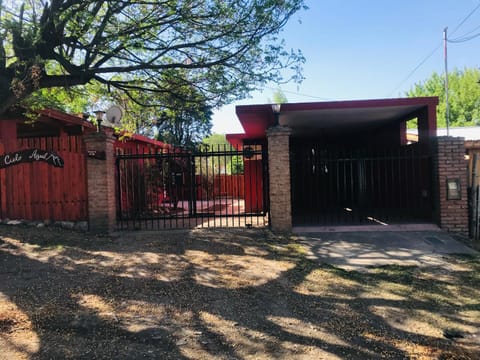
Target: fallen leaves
214	294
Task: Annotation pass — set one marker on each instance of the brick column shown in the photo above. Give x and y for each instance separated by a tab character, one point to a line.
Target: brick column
279	177
101	181
451	165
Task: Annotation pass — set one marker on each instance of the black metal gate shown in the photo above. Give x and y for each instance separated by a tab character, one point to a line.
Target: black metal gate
217	186
474	194
349	186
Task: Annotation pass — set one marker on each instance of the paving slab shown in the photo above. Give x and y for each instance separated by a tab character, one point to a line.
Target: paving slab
361	250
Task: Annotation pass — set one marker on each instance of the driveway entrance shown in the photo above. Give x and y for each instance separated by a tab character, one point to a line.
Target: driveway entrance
360	250
334	185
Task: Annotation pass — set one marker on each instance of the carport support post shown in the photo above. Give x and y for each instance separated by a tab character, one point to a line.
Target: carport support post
451	166
101	181
279	178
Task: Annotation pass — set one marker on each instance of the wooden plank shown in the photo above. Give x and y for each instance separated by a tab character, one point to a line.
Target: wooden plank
73	191
27	178
69	180
23	184
8	193
35	195
39	191
46	186
78	181
75	194
12	190
69	188
15	191
62	178
58	178
17	184
83	177
3	204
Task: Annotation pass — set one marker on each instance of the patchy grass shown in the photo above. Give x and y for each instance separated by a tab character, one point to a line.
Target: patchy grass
232	294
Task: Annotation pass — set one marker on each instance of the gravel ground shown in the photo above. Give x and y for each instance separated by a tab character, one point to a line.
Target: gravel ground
223	294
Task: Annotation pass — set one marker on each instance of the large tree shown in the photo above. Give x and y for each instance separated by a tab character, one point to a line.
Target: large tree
184	126
225	48
180	117
464	96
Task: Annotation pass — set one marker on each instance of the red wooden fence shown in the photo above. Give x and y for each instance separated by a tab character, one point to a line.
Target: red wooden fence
220	186
38	190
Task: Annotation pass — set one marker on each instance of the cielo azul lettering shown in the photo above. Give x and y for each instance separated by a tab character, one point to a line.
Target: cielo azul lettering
39	155
30	155
11	159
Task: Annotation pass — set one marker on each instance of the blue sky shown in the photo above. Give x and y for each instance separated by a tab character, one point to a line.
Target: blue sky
365	49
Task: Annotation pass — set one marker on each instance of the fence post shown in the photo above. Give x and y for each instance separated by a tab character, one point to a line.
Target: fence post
472	196
279	177
451	168
101	181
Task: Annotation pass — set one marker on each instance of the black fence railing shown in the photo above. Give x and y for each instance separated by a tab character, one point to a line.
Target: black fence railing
215	187
348	186
474	195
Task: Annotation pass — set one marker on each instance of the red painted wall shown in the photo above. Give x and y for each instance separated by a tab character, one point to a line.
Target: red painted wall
39	191
253	185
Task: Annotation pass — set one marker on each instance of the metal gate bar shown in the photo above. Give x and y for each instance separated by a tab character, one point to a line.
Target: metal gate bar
215	187
337	186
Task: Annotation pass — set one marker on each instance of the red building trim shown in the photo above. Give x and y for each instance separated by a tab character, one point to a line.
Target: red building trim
256	119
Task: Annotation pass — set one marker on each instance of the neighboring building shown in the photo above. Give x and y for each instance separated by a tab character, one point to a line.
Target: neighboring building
466	132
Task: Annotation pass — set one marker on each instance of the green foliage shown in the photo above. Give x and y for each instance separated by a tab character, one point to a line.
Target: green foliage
73	100
214	164
464	96
279	97
231	165
223	49
214	141
236	165
184	127
70	99
186	116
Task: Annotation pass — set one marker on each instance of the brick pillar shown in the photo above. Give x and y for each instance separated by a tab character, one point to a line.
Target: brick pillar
279	177
451	165
101	181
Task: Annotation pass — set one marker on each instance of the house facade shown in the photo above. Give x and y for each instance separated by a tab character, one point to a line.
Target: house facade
52	170
349	163
321	165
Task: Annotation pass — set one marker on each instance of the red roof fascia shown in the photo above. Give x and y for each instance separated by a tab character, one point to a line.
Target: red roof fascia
144	139
255	119
346	104
236	140
76	120
65	118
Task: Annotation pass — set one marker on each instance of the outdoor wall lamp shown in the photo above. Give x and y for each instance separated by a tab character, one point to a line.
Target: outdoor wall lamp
453	189
276	114
99	115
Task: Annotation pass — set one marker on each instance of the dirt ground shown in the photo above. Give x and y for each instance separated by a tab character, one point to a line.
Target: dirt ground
223	294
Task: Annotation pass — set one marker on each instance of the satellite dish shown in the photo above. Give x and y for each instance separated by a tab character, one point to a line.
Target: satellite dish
114	114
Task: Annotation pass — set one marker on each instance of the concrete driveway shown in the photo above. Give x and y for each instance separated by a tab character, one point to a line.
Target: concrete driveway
360	250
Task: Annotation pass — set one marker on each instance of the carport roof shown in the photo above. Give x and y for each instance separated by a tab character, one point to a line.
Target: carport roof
332	116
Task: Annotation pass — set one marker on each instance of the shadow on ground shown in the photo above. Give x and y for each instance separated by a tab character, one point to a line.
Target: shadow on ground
360	250
243	294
